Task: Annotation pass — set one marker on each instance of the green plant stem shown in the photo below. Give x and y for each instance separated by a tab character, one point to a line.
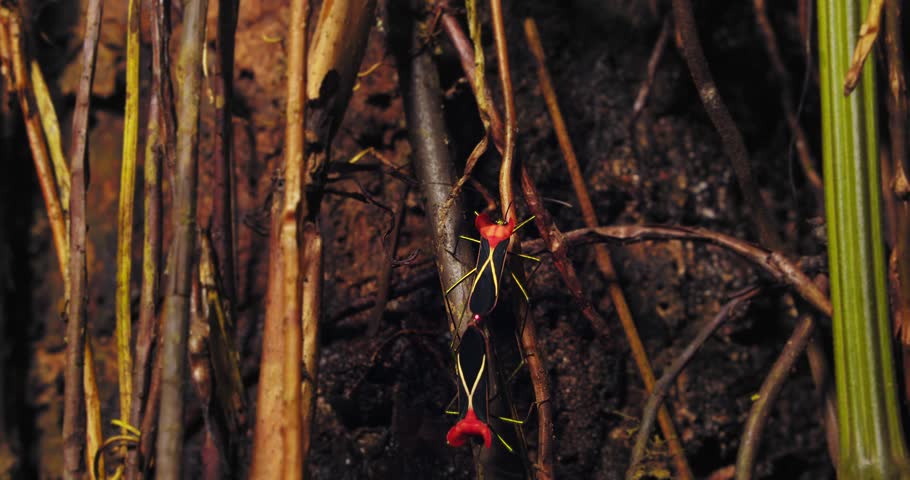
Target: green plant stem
871	440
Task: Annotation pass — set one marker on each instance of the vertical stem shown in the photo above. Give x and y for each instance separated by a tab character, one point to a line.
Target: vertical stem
159	144
73	401
222	226
177	291
311	314
289	239
13	38
125	215
506	194
871	440
897	121
94	437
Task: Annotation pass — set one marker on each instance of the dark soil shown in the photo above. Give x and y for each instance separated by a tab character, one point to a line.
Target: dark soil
381	399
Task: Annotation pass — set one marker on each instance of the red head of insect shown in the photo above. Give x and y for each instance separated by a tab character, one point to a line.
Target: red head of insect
494	231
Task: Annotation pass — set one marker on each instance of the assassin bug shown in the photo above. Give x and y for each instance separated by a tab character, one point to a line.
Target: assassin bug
473	394
491	263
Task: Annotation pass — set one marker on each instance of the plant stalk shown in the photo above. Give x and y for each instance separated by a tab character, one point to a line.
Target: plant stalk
871	438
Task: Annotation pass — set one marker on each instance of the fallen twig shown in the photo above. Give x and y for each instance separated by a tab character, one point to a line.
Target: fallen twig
761	407
662	387
773	263
12	39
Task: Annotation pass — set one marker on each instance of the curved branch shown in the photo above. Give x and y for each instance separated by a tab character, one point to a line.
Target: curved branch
773	263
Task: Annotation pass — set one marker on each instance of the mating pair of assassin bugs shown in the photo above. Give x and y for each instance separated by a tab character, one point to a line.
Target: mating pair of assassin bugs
471	353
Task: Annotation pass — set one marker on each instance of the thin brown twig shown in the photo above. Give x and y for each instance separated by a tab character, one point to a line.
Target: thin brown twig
177	290
159	144
533	354
662	387
384	276
656	53
148	426
506	194
771	262
94	437
73	402
13	39
479	85
786	100
602	255
731	138
761	408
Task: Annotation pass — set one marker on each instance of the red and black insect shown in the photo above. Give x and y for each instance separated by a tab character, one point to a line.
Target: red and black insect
491	263
473	397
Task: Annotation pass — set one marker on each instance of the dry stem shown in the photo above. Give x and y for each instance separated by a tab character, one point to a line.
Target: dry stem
125	213
73	402
169	451
12	37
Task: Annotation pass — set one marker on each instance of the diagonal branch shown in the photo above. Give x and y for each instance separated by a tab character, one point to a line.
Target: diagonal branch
602	255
